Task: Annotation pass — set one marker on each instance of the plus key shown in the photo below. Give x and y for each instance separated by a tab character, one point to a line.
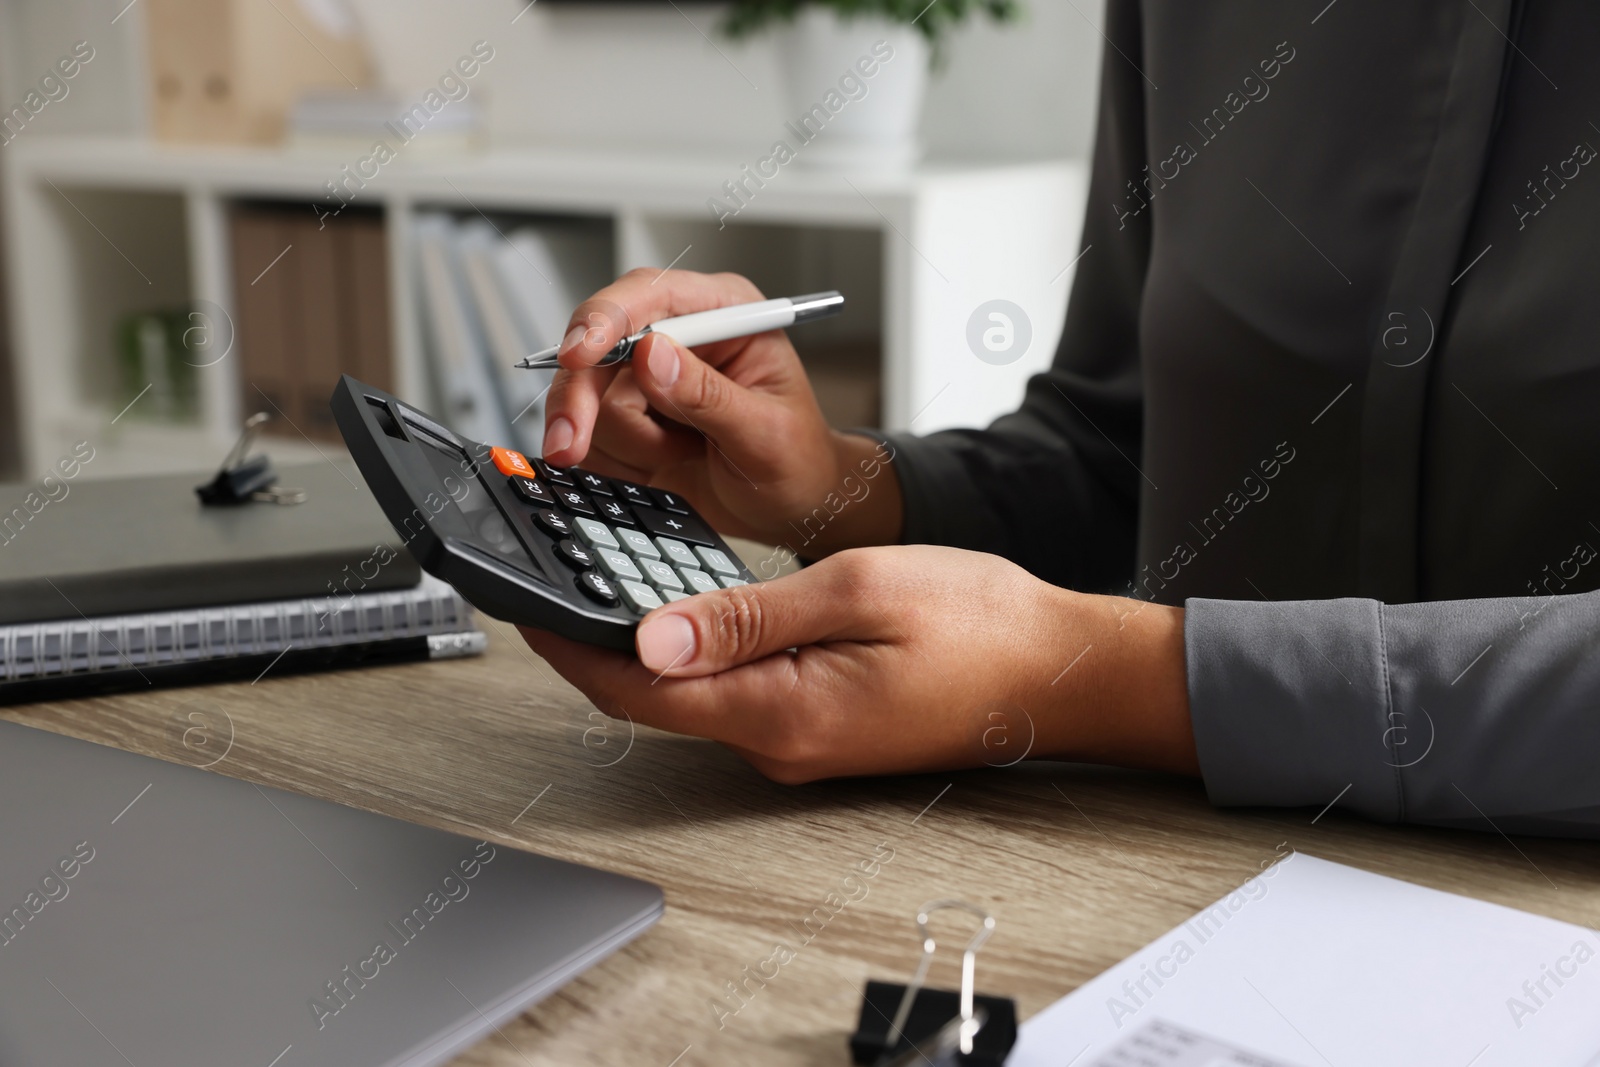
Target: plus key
676	526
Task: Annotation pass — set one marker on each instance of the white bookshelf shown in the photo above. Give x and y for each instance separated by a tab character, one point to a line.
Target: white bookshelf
100	227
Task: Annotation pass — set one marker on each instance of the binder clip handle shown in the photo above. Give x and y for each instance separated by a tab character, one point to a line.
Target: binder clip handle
244	478
969	956
934	1025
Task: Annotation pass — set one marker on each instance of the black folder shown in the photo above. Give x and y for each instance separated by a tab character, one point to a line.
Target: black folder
85	548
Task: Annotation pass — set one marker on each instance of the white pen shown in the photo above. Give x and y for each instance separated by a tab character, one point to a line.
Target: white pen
720	324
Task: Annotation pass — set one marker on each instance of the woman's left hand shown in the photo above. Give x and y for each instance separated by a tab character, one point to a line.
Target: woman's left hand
902	659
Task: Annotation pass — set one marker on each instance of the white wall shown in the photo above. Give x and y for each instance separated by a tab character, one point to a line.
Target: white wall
611	73
1026	90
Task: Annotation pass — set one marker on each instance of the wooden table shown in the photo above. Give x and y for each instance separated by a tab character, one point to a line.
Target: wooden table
1080	865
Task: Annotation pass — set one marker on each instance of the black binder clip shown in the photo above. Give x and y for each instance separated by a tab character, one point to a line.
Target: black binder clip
244	478
905	1025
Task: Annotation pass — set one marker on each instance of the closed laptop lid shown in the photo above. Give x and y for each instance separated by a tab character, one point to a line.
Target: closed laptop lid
152	913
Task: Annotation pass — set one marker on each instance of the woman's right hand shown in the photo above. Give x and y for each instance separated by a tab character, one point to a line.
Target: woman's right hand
732	426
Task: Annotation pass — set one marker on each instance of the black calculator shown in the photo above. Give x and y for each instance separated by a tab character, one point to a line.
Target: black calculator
559	548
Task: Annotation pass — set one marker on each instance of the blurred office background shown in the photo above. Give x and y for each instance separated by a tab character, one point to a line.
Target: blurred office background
167	273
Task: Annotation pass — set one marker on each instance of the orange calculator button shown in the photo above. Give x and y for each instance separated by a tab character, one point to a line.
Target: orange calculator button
512	463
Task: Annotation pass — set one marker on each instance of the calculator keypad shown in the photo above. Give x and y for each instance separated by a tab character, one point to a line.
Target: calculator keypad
676	526
553	522
640	597
558	475
618	564
629	493
532	491
597	587
627	543
574	501
594	483
575	555
698	581
716	561
661	576
563	549
669	501
596	533
676	552
638	544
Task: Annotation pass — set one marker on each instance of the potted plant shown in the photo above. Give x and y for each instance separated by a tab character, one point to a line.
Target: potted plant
854	71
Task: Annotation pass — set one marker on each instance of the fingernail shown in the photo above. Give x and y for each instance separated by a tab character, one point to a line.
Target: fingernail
572	340
557	436
662	362
665	641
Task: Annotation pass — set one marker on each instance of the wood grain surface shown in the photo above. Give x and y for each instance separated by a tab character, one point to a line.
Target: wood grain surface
1080	865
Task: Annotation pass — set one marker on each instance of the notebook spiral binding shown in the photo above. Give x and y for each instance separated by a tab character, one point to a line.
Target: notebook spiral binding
79	646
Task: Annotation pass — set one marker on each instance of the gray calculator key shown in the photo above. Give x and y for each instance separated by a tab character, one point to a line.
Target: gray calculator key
640	597
595	533
698	580
716	561
661	576
637	544
677	553
670	595
617	565
729	583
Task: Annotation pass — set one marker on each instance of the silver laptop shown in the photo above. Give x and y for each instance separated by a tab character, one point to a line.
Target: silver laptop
157	914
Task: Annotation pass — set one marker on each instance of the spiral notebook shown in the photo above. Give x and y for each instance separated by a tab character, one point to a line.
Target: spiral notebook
80	657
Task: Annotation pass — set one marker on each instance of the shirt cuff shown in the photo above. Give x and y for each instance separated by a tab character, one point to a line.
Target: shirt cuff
941	506
1290	704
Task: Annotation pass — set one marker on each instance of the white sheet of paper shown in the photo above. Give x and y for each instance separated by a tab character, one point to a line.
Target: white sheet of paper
1315	964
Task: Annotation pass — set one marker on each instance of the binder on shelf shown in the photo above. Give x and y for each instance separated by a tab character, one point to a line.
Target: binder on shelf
313	304
507	339
488	299
268	360
549	268
363	249
317	317
471	405
540	295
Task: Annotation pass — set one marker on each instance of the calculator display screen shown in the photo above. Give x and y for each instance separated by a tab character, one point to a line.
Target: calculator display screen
459	488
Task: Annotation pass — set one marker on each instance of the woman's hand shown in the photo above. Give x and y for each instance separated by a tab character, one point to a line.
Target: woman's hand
889	660
732	427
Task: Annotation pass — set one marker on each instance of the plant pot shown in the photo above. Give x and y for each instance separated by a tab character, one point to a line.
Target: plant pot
848	119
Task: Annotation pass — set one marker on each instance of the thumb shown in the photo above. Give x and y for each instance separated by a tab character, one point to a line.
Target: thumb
687	389
713	632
